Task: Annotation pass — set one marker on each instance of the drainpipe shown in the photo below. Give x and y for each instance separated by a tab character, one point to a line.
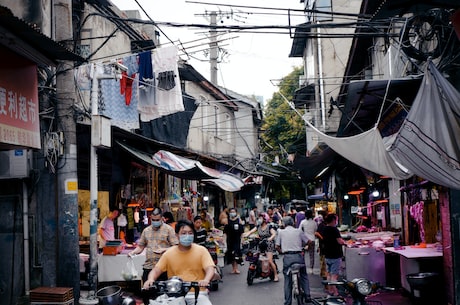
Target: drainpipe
25	220
321	82
92	277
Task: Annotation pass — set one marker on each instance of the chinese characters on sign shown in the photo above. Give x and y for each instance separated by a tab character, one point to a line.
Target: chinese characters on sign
19	120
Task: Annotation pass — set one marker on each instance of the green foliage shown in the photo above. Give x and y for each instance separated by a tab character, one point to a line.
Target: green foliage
282	125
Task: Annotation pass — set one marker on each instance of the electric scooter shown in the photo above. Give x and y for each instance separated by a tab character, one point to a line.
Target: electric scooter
259	266
358	290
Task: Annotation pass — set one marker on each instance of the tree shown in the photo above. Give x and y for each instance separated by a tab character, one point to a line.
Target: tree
282	126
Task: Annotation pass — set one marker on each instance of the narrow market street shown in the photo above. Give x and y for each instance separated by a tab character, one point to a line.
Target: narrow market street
234	289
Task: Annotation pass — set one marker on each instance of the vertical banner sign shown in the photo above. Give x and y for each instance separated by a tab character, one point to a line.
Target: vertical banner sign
19	120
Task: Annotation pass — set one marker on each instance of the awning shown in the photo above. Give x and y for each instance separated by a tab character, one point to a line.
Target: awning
185	168
364	100
300	39
304	95
24	39
310	167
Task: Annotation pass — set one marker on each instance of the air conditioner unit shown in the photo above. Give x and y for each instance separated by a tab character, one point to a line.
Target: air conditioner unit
14	163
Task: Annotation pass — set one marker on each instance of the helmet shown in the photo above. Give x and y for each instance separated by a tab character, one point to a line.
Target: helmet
265	217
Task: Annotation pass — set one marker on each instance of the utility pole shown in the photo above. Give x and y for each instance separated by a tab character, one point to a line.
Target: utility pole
214	17
213	49
66	188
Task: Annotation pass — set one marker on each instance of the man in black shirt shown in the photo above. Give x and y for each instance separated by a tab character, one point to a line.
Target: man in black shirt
332	249
200	232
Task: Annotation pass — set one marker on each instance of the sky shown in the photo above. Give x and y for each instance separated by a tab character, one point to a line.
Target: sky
253	63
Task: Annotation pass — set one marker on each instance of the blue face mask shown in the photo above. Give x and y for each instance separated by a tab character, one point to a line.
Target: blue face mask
156	224
186	240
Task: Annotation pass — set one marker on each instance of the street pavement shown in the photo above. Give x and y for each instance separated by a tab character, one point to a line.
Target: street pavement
234	289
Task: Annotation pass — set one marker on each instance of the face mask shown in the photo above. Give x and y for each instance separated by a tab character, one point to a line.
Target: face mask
186	240
232	215
156	223
259	221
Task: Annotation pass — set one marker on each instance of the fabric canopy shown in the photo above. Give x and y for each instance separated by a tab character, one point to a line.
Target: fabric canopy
427	143
185	168
366	150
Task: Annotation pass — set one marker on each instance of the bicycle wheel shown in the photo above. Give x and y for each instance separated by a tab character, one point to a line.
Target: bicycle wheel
297	290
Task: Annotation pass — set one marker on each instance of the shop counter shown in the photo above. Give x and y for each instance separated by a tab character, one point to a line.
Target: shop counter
110	267
413	260
365	262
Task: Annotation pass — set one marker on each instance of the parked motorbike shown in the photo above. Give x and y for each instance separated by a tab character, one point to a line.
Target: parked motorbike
259	266
170	292
358	290
212	248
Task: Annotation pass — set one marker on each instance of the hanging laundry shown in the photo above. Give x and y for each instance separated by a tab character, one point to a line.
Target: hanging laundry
127	77
146	85
121	115
168	93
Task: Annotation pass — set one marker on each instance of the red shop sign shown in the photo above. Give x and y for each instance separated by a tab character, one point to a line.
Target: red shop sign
19	119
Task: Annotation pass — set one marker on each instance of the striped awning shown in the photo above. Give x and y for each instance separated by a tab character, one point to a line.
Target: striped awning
186	168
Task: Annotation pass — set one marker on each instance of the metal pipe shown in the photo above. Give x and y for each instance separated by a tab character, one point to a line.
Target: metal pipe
321	83
92	277
25	220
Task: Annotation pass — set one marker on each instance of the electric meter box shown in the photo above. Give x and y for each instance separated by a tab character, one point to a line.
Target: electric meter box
14	163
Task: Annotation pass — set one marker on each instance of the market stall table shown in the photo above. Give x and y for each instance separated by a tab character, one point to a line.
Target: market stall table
110	267
414	259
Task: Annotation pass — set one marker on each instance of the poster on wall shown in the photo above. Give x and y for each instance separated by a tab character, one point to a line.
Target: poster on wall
19	120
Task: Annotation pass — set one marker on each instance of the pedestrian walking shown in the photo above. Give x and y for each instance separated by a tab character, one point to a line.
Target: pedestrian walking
333	251
234	231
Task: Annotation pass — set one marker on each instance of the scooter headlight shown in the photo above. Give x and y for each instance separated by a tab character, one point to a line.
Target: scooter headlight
363	286
174	285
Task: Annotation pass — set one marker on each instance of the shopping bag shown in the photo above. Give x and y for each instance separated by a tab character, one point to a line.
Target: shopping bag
129	271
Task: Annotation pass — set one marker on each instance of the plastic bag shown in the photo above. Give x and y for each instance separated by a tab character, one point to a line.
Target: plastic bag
129	272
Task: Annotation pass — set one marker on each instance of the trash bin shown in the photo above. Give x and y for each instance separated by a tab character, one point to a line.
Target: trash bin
425	287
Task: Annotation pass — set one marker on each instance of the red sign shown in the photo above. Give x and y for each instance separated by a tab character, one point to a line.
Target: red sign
19	120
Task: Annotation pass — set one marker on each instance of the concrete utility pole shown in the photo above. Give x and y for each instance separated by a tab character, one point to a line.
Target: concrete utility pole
214	17
66	188
213	49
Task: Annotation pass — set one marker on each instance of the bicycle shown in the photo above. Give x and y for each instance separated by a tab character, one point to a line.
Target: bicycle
297	291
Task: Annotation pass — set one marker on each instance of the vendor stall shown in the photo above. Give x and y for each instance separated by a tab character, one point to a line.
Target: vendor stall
110	267
364	256
414	259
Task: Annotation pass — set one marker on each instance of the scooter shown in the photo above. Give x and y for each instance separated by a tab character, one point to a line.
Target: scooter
358	289
259	266
170	292
212	249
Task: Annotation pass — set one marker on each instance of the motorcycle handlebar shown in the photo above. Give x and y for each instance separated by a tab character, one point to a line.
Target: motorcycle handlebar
160	284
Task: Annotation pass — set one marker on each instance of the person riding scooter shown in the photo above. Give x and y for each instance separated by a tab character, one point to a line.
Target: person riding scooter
267	233
188	261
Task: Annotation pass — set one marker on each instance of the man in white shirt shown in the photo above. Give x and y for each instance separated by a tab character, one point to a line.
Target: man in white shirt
290	241
309	227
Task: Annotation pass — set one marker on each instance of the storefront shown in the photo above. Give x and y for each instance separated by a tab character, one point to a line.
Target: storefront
138	174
